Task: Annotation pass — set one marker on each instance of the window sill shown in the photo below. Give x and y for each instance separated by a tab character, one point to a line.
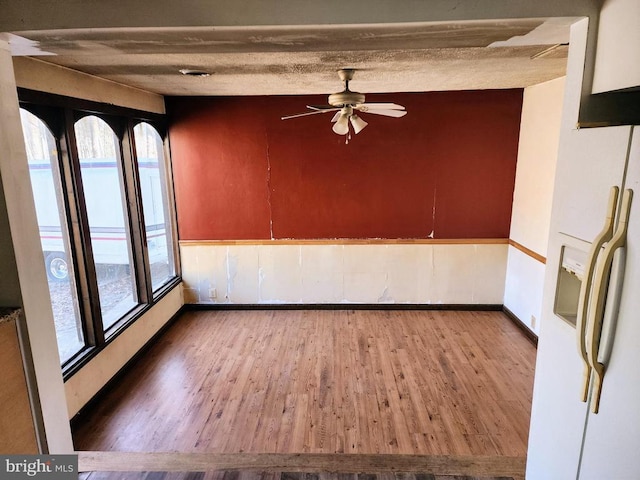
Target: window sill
82	358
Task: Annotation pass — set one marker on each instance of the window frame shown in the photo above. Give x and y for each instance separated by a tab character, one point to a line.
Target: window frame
60	115
169	212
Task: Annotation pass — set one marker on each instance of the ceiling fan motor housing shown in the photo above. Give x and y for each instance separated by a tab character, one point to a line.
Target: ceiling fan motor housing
346	97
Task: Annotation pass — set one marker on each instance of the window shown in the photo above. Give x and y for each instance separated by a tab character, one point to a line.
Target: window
42	155
153	187
102	191
105	200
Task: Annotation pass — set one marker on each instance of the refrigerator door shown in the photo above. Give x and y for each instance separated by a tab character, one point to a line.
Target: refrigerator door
557	414
612	439
590	162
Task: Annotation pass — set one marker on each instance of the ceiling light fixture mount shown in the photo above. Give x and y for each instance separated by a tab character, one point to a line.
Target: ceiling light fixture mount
346	97
193	73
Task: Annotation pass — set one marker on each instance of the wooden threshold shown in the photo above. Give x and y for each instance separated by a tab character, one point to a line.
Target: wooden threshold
478	466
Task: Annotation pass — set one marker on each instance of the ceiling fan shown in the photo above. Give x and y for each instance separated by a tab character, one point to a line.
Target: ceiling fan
346	103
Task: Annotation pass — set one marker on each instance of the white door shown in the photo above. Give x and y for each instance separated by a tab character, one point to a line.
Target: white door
612	439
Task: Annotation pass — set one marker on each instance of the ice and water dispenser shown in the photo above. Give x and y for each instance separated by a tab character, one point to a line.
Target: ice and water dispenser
570	276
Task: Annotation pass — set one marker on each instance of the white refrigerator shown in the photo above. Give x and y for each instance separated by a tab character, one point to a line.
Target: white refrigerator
567	440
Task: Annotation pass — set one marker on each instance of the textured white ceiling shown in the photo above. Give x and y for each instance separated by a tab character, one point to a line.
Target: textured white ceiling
287	60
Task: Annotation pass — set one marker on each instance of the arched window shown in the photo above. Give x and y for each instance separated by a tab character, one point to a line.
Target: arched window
106	201
153	189
42	155
104	206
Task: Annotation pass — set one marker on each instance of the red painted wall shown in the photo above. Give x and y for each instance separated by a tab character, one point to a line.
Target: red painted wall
447	167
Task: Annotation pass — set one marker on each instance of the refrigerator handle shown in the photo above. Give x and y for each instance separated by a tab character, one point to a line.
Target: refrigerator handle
601	282
585	289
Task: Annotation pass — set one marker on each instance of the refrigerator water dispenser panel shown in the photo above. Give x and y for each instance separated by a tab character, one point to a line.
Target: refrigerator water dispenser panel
570	276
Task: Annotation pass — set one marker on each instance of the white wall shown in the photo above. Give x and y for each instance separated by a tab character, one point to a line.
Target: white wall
344	272
533	193
36	75
523	288
32	279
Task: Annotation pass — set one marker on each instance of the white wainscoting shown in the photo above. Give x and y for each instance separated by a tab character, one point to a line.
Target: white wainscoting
523	290
344	272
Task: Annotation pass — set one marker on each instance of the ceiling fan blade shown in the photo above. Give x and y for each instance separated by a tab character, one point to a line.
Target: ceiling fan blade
307	113
365	107
325	108
336	117
387	113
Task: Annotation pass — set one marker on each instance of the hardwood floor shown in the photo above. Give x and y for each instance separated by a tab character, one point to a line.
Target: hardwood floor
323	381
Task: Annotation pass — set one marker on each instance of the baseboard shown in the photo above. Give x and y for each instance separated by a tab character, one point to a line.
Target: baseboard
125	368
521	325
343	306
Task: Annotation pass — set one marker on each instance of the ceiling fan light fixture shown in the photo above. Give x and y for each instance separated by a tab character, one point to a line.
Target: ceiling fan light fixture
344	105
341	127
357	123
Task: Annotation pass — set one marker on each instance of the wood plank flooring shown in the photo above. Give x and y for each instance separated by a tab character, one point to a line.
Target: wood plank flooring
323	381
